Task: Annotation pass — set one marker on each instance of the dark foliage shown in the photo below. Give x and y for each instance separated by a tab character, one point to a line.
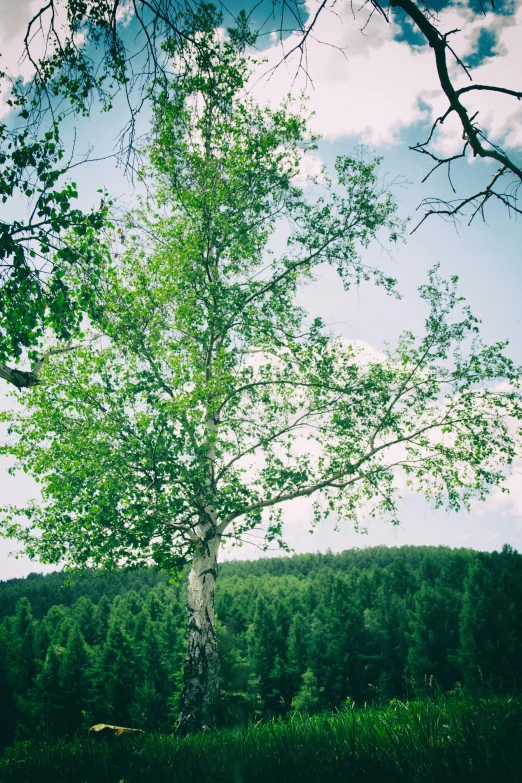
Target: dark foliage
299	633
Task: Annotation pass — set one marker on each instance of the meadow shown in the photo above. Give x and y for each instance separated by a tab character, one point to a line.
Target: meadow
455	736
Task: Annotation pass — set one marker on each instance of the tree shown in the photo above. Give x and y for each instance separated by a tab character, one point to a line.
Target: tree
490	627
265	638
116	676
298	643
386	623
62	687
102	49
309	695
207	401
7	716
25	663
50	271
433	637
23	660
74	680
49	691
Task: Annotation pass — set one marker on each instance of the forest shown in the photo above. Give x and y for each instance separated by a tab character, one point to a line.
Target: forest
295	634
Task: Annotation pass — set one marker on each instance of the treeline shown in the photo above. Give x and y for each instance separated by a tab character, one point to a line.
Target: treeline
304	633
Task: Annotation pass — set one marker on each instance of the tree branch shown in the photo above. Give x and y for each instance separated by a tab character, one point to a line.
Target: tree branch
29	378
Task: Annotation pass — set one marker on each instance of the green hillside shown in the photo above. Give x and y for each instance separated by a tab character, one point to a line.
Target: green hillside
300	633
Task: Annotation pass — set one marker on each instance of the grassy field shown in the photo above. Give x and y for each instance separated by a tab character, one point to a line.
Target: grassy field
448	738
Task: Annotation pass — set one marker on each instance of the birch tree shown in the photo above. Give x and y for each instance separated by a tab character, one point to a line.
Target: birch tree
205	399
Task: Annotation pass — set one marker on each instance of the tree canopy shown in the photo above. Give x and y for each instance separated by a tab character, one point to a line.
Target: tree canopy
91	56
49	268
205	393
82	55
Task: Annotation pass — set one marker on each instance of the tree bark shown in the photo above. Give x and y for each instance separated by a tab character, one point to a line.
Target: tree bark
19	378
201	670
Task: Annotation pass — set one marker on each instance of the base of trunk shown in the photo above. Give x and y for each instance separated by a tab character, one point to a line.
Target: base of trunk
201	670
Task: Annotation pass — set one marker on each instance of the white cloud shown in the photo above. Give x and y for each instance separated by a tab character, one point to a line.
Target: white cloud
310	166
361	84
371	86
15	18
506	504
125	13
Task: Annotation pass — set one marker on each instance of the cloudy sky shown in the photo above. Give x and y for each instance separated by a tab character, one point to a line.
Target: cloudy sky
378	87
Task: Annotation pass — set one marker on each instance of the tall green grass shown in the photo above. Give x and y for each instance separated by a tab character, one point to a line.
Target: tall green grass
451	737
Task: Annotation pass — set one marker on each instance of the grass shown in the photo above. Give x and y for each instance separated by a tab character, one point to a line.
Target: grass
452	737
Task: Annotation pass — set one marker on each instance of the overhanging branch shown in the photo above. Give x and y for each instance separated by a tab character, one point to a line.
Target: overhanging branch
26	379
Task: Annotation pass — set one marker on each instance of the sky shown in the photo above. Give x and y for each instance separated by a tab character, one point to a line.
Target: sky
376	87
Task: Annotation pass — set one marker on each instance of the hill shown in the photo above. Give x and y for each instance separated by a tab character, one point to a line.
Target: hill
308	632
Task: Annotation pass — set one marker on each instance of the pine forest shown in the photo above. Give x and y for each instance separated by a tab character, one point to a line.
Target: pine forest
304	633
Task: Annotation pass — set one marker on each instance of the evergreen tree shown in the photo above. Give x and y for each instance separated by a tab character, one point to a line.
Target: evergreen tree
490	624
7	698
74	681
387	624
154	689
239	686
433	639
263	643
50	695
298	649
84	613
309	695
102	613
458	616
24	663
24	646
116	677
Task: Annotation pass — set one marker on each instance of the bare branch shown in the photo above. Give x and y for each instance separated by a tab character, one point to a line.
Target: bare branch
472	134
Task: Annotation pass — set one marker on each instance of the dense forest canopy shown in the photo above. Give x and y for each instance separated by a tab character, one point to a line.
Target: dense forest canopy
295	633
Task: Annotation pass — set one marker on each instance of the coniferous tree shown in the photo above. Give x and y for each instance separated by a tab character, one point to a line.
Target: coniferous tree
50	695
433	639
7	697
490	626
297	649
324	614
116	677
239	685
101	618
263	643
24	664
74	680
84	613
309	696
24	646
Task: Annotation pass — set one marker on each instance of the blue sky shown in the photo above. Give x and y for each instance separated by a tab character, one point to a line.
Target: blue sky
382	91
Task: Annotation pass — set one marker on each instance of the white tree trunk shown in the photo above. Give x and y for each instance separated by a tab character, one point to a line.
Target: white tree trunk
201	671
